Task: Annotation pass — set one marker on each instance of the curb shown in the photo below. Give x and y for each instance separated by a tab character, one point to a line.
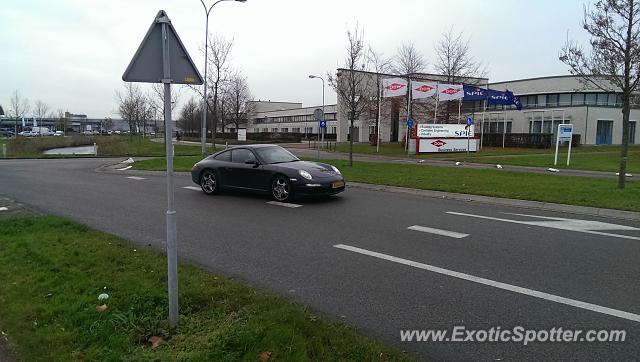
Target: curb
540	205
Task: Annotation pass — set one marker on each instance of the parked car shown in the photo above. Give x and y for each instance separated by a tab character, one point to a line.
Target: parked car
6	133
268	169
58	133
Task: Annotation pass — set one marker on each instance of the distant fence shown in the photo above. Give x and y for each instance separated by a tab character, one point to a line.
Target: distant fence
275	137
524	140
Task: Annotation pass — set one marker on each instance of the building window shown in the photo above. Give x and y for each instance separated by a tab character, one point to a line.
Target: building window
564	99
274	129
285	130
542	100
295	130
333	130
372	129
602	99
265	130
590	99
577	99
611	100
552	100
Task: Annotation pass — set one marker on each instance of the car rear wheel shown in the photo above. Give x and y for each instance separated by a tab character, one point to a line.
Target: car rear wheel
209	182
281	189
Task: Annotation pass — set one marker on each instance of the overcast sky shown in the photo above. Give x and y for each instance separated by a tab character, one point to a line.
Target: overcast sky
71	53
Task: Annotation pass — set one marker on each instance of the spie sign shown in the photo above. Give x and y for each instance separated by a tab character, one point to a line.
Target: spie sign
445	131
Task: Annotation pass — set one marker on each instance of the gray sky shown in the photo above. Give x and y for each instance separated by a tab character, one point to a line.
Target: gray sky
71	53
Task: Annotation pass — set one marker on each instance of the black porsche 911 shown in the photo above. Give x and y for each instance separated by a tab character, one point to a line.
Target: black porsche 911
266	168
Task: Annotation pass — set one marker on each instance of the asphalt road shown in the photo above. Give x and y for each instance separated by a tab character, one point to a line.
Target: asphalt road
369	258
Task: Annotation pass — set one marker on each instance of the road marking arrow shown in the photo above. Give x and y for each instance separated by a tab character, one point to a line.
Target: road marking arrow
581	226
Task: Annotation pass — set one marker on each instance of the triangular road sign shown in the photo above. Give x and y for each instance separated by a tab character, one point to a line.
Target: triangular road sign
146	65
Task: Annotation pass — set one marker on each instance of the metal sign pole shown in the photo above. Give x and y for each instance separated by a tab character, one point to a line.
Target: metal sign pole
172	247
555	161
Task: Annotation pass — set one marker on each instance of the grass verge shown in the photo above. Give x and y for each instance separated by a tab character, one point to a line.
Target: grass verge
583	191
107	146
52	271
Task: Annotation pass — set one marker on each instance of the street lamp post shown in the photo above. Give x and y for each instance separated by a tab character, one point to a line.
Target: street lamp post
203	136
320	130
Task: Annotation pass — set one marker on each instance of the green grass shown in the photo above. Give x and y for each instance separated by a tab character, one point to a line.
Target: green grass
582	191
33	147
52	271
591	158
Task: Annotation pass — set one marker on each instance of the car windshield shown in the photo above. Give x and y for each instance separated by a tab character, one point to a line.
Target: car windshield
272	155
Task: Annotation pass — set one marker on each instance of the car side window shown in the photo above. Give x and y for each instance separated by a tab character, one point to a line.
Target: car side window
242	155
224	156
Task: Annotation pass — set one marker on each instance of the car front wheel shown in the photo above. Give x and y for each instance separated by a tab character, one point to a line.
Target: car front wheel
281	189
209	182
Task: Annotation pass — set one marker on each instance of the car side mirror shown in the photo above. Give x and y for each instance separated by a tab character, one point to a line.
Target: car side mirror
252	162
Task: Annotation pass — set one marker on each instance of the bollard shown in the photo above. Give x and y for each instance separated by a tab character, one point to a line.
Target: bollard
4	150
95	149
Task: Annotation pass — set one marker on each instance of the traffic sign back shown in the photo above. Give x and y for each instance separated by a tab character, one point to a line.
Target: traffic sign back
146	65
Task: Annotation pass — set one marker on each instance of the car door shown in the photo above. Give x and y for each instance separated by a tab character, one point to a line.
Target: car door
224	167
246	175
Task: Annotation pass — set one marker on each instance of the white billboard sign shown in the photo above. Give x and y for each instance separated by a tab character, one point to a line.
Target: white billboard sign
445	131
565	132
242	134
447	145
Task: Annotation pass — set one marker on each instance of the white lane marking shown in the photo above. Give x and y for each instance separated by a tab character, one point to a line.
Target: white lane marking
496	284
123	169
136	178
284	204
425	229
581	226
3	208
194	188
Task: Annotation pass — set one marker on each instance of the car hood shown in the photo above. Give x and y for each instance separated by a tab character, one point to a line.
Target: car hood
316	169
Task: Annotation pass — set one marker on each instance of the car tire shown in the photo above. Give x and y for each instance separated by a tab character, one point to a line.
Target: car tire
209	182
281	189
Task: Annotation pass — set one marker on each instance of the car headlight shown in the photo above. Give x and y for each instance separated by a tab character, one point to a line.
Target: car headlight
336	169
305	174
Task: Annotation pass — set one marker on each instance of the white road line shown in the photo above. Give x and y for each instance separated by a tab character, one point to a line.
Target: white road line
136	178
495	284
123	169
580	226
194	188
451	234
3	208
284	204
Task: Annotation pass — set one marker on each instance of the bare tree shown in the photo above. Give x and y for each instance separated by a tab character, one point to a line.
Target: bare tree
41	109
379	64
19	107
455	63
218	58
350	84
237	96
408	60
156	101
61	119
134	107
190	116
613	64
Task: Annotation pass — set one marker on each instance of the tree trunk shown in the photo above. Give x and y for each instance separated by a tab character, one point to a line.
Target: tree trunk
625	142
351	143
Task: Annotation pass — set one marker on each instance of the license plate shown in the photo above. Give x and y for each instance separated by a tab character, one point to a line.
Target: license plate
337	184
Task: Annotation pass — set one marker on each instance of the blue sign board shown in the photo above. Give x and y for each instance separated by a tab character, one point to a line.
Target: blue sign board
323	124
410	122
469	121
